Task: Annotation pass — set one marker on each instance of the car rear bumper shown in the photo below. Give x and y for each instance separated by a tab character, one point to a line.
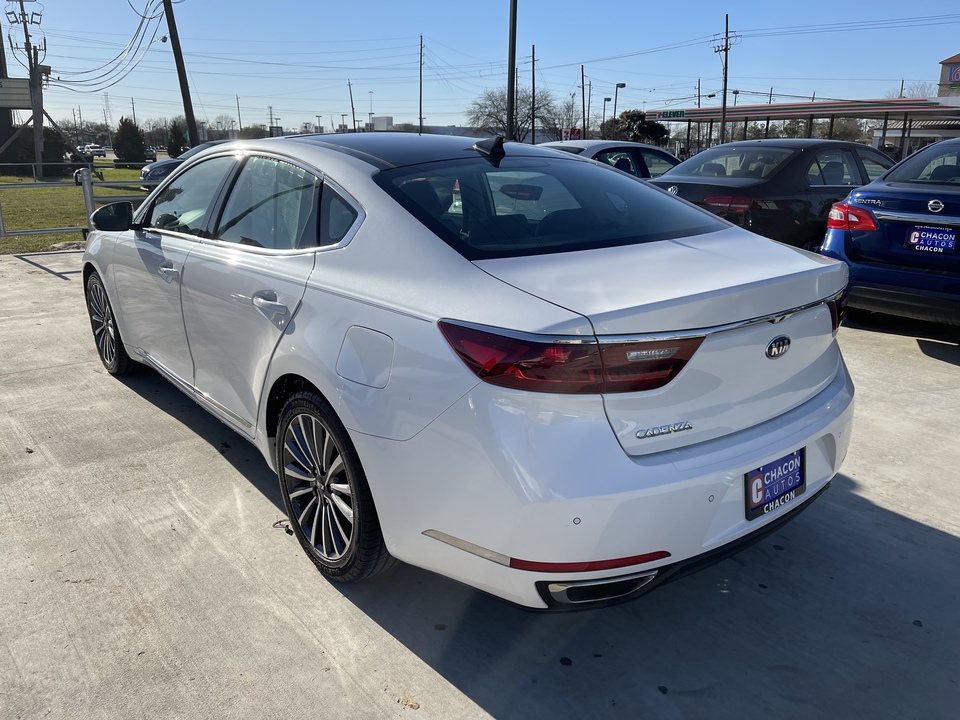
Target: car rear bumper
489	486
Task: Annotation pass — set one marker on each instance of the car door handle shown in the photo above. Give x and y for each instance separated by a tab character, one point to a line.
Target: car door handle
267	301
168	272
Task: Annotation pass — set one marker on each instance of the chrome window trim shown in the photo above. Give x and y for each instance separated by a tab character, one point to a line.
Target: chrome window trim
915	217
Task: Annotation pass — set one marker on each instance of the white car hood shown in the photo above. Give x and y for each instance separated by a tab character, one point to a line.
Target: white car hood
689	283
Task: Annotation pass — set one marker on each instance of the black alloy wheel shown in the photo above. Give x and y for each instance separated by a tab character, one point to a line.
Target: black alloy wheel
105	332
325	492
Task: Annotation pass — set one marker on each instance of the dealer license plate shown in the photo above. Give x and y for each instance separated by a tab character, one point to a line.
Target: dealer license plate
931	239
775	484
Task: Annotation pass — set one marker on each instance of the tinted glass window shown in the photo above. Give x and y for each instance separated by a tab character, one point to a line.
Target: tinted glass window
532	206
833	167
621	160
182	205
272	204
936	164
657	164
735	162
337	216
875	164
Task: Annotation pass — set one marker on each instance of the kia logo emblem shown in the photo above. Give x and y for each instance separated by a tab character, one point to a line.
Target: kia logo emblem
778	347
935	205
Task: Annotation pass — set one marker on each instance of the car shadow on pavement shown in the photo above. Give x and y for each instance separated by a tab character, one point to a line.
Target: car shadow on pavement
906	327
235	448
849	611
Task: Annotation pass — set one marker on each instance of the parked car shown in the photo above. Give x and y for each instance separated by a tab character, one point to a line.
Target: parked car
638	159
95	151
782	189
898	235
562	409
152	174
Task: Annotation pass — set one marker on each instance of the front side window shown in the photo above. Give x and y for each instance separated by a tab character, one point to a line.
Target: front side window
874	164
657	164
273	205
183	204
535	206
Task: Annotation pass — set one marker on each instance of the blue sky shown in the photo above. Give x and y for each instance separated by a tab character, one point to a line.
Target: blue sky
297	56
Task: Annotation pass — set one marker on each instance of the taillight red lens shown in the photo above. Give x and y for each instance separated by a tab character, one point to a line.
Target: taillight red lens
849	217
836	310
730	203
527	364
574	366
636	366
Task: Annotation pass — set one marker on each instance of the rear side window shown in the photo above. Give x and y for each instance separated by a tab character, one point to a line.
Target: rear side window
533	206
657	164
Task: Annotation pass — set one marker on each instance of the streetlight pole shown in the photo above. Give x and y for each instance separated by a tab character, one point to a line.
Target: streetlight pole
371	108
604	118
616	90
319	126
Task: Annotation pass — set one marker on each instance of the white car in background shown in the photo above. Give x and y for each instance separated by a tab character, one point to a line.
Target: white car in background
563	387
637	159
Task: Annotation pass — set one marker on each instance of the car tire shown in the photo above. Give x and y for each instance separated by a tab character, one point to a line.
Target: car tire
325	492
106	334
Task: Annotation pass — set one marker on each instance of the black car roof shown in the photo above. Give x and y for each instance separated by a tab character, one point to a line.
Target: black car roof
396	149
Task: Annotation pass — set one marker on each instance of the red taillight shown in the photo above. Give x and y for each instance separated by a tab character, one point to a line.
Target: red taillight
729	203
568	366
836	310
850	217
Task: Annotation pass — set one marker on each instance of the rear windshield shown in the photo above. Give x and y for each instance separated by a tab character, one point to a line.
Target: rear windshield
748	161
935	164
535	206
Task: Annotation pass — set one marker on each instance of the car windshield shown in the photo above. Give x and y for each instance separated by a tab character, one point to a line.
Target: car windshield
196	150
534	206
936	164
733	161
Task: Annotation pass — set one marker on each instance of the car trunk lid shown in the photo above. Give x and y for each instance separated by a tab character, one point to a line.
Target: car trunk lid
738	291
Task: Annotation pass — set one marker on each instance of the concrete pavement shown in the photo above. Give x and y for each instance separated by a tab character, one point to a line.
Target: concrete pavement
143	574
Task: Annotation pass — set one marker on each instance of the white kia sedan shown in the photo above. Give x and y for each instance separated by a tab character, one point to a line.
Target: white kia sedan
508	365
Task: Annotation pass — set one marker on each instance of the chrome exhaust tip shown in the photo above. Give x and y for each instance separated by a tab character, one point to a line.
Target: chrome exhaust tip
583	592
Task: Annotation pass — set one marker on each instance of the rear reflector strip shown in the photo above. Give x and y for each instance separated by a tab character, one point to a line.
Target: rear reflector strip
548	567
588	566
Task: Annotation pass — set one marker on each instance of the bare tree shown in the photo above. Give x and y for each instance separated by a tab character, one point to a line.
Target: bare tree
916	90
565	115
489	111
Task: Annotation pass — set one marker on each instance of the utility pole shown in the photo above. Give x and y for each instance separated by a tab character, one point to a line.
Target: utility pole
133	109
421	85
583	102
589	102
512	71
319	126
270	110
239	121
725	49
353	110
181	74
6	116
80	115
533	94
36	100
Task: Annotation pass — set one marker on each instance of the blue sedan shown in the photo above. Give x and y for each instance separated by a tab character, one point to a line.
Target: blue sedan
898	235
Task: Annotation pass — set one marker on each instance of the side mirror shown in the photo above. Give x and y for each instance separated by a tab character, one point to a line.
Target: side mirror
115	217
